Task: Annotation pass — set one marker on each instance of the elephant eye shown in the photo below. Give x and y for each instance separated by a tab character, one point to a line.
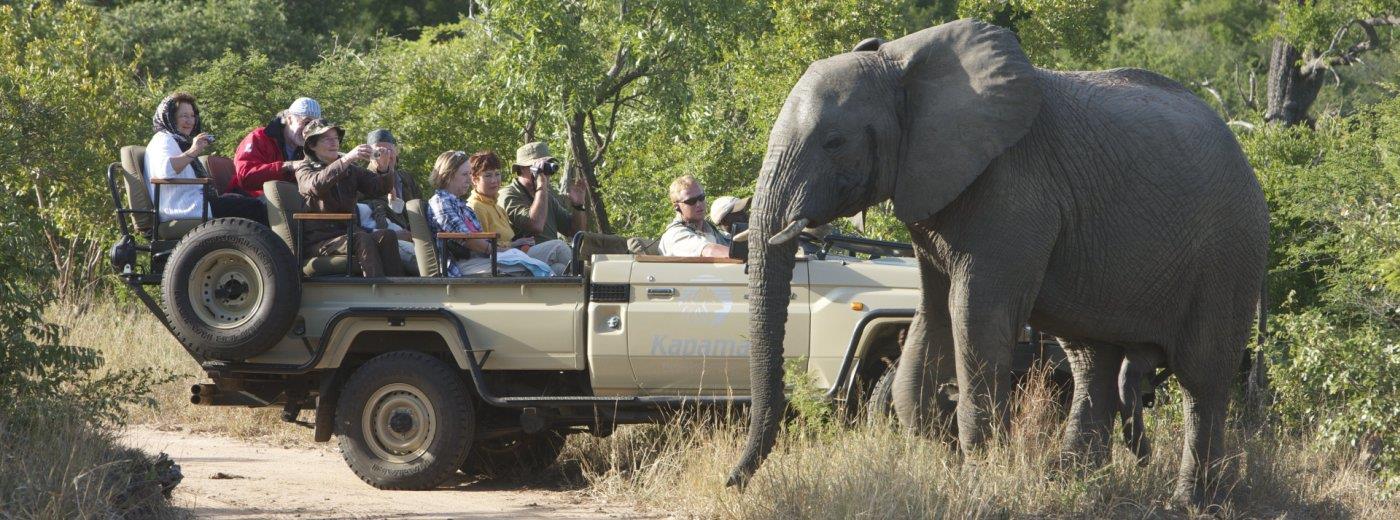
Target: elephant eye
834	142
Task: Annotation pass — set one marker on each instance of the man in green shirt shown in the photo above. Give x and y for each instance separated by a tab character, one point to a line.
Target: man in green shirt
530	202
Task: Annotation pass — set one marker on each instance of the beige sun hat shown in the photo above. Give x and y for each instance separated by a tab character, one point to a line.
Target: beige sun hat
721	208
318	127
528	153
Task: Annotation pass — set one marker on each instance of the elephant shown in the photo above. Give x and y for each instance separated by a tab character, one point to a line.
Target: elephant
1112	209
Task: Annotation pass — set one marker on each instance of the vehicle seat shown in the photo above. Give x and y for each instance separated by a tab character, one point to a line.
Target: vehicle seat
283	201
424	247
138	196
220	169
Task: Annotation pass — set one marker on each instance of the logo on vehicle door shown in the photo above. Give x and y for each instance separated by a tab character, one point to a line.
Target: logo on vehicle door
707	296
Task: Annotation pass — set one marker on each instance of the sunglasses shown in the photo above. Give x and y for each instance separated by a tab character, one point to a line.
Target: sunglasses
694	200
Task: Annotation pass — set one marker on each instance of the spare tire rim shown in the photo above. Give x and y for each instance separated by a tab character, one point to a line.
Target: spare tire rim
398	423
226	288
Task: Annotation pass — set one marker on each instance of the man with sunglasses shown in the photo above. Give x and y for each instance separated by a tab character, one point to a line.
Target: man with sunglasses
690	233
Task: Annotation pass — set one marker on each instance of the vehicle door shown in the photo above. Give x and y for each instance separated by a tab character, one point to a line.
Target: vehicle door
688	330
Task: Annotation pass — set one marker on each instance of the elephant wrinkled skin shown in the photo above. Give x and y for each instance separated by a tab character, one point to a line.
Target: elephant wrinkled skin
1112	209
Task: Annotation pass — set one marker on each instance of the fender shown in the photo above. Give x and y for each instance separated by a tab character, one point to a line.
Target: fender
845	375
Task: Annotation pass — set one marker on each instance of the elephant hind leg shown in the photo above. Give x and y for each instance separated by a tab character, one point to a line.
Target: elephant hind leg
1095	403
1205	376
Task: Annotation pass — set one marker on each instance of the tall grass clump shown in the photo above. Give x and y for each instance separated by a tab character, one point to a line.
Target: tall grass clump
58	403
876	470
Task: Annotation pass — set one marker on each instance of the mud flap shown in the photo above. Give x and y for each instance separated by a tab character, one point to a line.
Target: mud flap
326	401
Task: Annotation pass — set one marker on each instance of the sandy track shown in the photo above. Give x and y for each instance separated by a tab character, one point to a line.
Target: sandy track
227	478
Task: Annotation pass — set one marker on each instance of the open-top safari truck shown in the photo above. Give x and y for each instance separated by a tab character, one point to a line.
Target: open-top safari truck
421	376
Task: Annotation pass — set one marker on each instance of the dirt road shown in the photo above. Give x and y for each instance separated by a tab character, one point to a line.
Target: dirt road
227	478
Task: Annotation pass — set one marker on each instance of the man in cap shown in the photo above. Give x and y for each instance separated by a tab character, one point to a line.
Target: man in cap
267	153
534	209
389	207
689	234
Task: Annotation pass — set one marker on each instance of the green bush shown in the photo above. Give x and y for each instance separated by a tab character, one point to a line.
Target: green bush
1335	348
39	375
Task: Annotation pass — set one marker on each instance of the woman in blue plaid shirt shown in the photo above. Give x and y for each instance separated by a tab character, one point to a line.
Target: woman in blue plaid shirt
448	211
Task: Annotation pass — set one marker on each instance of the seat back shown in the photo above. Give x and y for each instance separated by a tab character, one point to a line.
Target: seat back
138	195
220	170
424	247
283	200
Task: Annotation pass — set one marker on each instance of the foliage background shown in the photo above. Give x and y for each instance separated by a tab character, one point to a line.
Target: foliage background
703	82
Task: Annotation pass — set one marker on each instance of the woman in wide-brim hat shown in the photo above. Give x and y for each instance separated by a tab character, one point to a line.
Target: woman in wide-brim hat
332	183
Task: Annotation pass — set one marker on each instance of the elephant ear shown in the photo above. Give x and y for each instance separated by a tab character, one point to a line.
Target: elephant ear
970	94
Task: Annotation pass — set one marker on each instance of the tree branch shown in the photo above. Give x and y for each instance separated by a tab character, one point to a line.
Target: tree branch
1333	57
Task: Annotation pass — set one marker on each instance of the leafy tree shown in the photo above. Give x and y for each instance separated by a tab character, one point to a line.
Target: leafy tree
1210	46
1332	194
38	373
588	65
65	110
1052	32
722	135
170	39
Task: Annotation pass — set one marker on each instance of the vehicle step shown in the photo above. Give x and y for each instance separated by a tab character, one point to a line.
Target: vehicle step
582	398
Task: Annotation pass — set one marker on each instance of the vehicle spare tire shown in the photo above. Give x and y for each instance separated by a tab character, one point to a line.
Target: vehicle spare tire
231	289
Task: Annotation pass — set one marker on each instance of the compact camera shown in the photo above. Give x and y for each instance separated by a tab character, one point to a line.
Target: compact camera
549	167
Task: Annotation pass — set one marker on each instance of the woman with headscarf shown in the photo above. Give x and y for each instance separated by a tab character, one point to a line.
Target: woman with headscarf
173	153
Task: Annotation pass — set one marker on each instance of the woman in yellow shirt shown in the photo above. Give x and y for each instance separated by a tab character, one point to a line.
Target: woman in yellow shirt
485	168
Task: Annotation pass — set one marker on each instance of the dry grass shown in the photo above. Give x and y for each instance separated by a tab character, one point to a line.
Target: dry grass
823	471
130	337
879	472
54	465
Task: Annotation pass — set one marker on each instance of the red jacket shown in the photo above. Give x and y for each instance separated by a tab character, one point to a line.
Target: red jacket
259	159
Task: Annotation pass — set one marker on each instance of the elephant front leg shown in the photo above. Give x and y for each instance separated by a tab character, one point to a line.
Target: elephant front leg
926	362
1095	403
984	336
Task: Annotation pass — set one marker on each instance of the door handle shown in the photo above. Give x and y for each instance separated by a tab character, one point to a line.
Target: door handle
664	292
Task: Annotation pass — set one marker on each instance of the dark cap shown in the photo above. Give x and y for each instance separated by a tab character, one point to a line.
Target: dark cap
380	135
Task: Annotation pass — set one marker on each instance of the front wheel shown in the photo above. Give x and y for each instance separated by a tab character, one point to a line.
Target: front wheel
405	421
879	408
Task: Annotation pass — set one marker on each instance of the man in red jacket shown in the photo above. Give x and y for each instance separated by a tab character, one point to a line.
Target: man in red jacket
267	153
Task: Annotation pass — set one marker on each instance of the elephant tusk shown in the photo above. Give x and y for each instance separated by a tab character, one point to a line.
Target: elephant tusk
742	236
788	233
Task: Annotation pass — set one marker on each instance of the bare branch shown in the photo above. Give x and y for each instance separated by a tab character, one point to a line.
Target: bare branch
1334	57
619	60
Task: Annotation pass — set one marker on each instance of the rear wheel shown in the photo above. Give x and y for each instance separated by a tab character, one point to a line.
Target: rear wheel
230	289
405	421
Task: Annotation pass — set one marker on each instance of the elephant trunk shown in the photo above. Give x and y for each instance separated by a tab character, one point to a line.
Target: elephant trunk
770	287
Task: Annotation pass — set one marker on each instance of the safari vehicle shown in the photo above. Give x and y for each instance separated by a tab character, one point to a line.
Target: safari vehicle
422	376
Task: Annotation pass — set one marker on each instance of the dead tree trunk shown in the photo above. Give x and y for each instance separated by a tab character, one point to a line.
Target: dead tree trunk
1291	91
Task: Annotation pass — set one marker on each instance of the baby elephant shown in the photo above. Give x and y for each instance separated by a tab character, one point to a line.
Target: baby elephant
1137	364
